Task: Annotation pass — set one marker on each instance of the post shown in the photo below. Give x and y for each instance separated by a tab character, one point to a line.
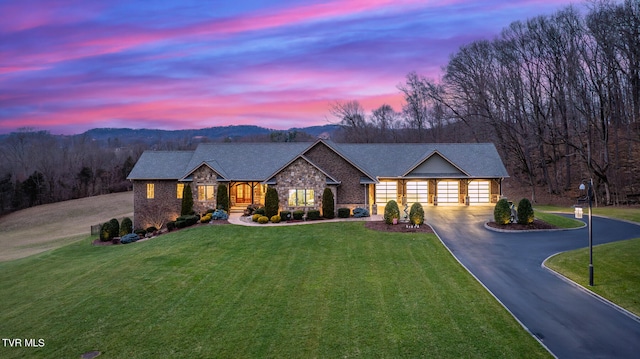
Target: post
590	195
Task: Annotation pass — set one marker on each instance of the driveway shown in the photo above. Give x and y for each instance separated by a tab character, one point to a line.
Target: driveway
569	321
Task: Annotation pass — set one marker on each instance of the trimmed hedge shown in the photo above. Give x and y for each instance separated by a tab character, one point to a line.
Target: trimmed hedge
263	220
525	212
416	214
313	214
502	212
391	212
126	226
222	198
285	215
271	202
360	212
298	214
275	219
344	212
129	238
256	216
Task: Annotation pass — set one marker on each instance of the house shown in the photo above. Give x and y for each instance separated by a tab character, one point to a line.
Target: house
360	175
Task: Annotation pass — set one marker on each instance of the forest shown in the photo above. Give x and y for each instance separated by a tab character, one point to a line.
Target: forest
558	94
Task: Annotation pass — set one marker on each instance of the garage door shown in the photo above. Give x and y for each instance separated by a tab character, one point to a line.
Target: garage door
417	192
447	192
479	192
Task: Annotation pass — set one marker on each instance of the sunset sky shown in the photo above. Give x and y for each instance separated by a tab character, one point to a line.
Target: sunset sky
71	65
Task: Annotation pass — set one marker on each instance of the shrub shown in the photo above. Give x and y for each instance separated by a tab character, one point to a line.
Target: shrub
222	198
219	214
140	232
189	220
181	223
105	232
360	212
275	219
344	212
525	212
263	220
126	227
298	214
151	229
313	214
256	216
187	200
129	238
271	202
171	225
206	218
286	215
391	211
502	212
259	211
114	228
328	207
416	214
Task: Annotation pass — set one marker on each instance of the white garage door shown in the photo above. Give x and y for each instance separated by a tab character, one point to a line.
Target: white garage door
417	192
479	192
448	192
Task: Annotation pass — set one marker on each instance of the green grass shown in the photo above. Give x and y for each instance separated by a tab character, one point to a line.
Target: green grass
327	290
616	271
558	221
627	213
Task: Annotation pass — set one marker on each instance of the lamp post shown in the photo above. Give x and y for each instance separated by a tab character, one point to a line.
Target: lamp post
590	201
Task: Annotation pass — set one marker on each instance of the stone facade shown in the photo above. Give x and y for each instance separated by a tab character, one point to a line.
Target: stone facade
300	175
204	176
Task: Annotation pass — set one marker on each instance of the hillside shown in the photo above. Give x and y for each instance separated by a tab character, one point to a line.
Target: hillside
37	229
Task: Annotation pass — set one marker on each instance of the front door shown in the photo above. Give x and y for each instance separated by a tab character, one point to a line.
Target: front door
243	193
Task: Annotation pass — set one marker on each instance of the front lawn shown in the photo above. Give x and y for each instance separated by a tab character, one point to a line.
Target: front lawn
559	221
616	271
327	290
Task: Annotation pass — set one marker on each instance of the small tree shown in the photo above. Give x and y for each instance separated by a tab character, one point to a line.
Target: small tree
391	211
187	200
105	232
525	212
416	214
222	198
271	202
502	212
126	226
328	207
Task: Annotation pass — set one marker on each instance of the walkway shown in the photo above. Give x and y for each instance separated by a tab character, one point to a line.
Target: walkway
568	320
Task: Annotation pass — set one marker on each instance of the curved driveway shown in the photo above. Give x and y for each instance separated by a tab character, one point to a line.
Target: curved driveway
569	321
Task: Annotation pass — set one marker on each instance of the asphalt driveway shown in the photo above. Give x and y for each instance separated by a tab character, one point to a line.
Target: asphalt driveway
569	321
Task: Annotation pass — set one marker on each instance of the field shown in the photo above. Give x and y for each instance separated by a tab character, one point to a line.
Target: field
326	290
41	228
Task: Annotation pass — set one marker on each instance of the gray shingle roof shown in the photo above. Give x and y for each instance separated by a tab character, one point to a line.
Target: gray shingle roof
258	161
160	165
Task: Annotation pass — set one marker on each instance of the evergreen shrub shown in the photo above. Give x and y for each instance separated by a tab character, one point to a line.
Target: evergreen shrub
360	212
129	238
416	214
259	211
275	219
391	211
151	229
298	214
105	232
126	226
271	202
222	198
171	225
187	200
256	216
525	212
328	207
313	214
344	212
263	219
219	214
114	228
285	215
502	212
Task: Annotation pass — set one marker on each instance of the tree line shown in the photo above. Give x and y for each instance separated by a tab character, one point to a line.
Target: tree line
558	94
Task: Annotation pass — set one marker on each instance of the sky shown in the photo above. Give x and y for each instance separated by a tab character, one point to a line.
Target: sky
67	66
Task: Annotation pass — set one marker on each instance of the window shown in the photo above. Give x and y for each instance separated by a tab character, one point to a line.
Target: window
417	191
179	190
301	198
479	192
150	190
205	192
386	191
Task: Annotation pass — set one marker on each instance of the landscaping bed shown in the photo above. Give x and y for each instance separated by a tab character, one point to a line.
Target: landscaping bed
536	225
398	228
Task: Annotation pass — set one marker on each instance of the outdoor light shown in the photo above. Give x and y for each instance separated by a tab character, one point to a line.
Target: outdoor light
590	201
